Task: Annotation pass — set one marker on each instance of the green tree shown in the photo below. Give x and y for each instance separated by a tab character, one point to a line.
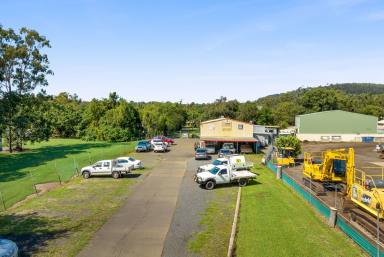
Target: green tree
23	68
322	99
289	141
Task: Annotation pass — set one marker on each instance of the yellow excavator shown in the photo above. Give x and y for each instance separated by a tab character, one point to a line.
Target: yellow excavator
285	156
367	191
328	169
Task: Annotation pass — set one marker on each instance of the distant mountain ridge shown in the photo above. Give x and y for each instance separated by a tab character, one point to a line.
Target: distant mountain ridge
359	88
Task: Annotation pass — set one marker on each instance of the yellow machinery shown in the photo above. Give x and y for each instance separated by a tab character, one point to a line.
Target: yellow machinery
329	166
367	191
285	156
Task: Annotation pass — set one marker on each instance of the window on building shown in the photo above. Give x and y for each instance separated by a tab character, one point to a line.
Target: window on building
240	126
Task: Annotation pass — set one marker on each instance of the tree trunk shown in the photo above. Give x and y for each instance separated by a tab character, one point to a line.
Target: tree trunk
10	139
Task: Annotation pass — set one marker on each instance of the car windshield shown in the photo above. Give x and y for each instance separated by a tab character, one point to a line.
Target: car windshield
217	162
225	151
200	150
214	170
131	159
142	143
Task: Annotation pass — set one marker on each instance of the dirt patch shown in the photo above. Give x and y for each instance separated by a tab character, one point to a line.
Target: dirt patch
41	189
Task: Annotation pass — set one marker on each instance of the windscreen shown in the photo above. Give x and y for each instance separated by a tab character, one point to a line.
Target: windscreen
339	167
214	170
216	162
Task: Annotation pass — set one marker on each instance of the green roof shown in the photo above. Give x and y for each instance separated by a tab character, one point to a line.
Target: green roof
336	122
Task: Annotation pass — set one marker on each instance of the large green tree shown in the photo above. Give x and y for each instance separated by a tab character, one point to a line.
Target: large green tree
23	68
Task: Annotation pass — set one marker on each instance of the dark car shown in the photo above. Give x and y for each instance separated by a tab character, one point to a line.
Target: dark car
201	154
143	146
224	153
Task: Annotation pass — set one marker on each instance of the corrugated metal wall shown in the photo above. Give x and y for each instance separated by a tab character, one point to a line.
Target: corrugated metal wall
337	122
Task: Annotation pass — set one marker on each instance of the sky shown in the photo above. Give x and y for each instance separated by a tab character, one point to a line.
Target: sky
199	50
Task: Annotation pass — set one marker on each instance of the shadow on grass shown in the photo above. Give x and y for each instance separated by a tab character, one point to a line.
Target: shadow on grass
30	232
12	164
234	184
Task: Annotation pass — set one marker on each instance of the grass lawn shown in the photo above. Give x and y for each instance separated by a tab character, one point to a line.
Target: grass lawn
47	161
274	221
216	222
60	222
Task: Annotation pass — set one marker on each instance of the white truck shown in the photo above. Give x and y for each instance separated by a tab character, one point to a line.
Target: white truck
236	161
223	174
106	167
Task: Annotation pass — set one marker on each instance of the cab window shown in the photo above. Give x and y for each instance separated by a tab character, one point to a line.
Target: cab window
98	164
106	164
122	161
223	172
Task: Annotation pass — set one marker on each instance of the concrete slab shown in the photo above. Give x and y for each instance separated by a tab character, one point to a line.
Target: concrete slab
139	228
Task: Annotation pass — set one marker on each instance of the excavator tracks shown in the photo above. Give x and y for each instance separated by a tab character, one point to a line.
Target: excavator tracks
316	187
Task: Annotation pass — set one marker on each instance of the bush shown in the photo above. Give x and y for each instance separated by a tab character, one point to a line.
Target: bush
289	141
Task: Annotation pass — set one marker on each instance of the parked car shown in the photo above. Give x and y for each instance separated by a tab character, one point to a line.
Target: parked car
8	248
211	148
168	140
106	167
159	147
224	153
136	164
229	146
201	154
223	174
143	146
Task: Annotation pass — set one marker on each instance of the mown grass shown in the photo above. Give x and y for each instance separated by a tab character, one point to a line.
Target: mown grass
274	221
216	224
60	222
52	161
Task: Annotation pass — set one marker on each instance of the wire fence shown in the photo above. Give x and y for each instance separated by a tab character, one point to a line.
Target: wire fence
32	181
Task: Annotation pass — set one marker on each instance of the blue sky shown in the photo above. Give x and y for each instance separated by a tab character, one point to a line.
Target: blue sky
198	50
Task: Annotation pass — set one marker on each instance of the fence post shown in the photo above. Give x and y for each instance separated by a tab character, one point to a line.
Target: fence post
57	172
75	170
279	172
33	183
332	217
2	200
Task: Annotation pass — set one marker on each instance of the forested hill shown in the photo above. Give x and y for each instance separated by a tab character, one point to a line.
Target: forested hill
359	88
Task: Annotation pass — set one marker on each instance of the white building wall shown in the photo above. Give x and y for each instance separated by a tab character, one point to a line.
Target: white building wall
338	137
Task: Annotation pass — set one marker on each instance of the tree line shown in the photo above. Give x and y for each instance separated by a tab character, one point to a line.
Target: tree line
28	113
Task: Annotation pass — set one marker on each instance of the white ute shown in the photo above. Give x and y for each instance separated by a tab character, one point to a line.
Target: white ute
106	167
209	166
236	161
136	164
223	174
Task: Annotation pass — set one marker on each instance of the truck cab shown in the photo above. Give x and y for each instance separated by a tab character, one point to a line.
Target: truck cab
105	167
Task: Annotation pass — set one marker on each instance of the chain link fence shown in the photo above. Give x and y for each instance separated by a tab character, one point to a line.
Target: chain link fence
32	181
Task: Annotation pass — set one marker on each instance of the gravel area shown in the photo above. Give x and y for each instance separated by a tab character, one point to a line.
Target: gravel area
192	201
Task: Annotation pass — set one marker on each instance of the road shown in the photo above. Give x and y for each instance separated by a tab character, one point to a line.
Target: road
139	228
185	223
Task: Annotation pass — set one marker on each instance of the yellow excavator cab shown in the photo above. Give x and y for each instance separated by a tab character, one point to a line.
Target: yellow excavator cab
285	156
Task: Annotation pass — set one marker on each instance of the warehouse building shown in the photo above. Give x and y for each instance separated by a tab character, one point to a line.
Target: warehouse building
338	126
224	130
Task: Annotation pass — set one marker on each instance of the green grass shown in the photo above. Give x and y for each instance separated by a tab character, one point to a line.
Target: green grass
61	222
216	224
274	221
47	161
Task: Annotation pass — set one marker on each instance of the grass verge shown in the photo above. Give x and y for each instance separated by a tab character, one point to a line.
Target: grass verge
60	222
57	159
216	224
274	221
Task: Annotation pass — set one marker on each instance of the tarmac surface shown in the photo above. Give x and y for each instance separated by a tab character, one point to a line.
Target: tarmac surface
192	201
140	227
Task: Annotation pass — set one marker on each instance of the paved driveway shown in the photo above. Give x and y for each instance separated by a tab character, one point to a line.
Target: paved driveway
139	228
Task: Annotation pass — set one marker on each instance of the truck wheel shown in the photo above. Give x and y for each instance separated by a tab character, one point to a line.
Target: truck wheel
86	174
243	182
210	185
115	175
